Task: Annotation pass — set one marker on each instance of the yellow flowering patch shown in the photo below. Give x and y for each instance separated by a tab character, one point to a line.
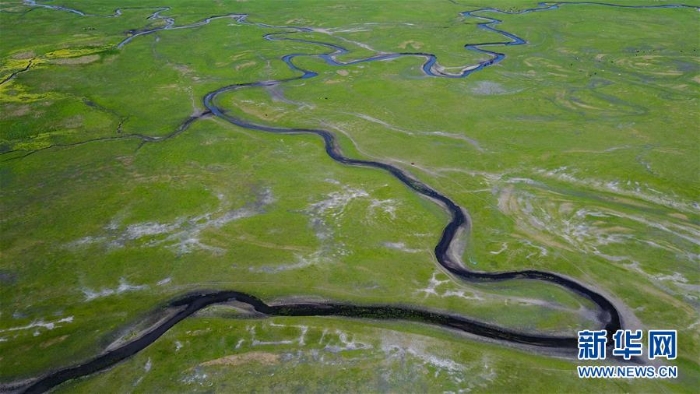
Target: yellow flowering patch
69	52
11	92
40	141
11	65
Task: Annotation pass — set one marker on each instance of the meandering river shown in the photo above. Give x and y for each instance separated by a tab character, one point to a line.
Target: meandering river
446	251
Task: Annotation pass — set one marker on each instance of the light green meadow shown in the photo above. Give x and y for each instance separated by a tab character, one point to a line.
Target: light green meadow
578	154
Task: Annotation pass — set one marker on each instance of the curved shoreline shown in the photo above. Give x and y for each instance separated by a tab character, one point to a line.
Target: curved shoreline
609	316
196	301
446	256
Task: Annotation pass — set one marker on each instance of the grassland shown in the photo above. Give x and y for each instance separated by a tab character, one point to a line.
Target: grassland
577	155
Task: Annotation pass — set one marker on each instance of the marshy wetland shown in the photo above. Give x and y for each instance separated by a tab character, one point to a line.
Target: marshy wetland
324	196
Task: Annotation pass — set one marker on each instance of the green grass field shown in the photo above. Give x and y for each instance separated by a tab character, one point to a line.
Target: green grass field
578	154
